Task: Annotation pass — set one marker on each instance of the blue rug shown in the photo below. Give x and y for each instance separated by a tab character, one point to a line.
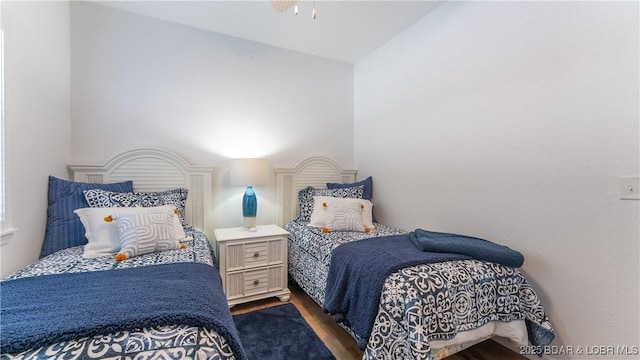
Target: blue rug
279	333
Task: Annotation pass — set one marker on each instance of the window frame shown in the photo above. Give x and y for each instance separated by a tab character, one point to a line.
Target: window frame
6	228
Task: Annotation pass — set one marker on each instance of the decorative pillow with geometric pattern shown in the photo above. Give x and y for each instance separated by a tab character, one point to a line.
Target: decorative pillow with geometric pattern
345	216
319	216
101	231
175	197
145	233
305	198
368	189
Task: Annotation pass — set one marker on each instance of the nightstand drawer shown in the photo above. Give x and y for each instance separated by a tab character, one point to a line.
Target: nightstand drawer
256	254
256	282
248	255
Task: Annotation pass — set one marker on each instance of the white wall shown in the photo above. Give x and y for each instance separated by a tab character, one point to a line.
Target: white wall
513	121
139	82
37	141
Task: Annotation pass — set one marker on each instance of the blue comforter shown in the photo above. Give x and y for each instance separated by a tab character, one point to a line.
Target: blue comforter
46	309
357	273
478	249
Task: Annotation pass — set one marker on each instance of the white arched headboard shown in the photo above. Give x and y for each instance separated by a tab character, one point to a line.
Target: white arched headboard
156	170
314	171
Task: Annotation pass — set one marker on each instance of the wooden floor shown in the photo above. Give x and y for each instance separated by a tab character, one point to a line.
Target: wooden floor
344	347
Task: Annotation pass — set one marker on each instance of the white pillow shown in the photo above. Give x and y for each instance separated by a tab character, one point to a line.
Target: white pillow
319	214
146	233
103	235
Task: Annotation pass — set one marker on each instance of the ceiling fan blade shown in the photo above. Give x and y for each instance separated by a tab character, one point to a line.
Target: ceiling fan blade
283	5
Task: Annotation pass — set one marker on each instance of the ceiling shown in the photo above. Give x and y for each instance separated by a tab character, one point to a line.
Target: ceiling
345	30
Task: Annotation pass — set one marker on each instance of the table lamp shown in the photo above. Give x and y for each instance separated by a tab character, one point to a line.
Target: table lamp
249	173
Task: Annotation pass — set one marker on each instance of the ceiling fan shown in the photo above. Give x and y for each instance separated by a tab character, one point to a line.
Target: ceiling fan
284	5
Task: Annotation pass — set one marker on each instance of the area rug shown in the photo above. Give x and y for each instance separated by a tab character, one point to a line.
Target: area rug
279	333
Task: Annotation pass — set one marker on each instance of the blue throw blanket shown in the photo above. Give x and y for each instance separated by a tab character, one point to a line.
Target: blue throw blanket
478	249
357	273
37	311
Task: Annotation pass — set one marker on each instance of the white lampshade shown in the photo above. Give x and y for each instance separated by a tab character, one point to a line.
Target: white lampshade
245	172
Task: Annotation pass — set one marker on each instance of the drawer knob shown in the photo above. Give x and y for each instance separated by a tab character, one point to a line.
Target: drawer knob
256	254
256	282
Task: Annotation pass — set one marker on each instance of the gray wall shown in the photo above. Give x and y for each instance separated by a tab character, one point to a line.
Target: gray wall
37	142
513	121
142	82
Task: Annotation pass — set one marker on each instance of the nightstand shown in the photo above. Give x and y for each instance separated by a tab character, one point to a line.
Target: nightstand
253	265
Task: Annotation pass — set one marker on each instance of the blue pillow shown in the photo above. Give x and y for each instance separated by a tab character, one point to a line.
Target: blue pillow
64	228
368	189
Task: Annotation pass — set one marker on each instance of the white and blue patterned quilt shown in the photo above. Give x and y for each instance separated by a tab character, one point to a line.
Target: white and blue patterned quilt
167	342
425	302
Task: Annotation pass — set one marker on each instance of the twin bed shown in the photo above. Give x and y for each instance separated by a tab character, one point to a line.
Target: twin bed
160	304
169	304
425	310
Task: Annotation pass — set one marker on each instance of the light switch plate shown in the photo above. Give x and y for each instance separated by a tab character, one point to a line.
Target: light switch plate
630	188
